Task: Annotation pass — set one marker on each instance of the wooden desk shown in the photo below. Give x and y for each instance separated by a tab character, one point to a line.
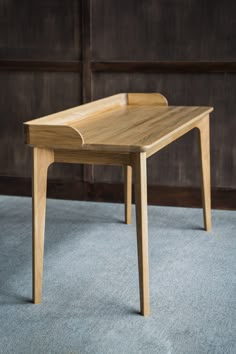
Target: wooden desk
123	129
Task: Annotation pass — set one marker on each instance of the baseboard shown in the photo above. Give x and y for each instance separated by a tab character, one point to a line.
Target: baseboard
106	192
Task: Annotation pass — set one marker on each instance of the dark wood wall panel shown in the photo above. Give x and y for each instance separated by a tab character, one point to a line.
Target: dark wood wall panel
58	54
177	164
40	50
163	30
30	95
46	29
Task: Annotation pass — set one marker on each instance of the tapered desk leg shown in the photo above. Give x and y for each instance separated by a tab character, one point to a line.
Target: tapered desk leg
42	158
128	193
204	142
142	229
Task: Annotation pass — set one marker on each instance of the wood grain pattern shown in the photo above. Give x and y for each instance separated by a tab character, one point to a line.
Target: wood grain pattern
204	144
91	157
40	65
137	99
176	67
181	67
26	95
58	136
146	98
60	130
116	125
128	193
74	115
140	172
40	54
176	164
86	77
27	46
146	125
190	71
163	30
85	8
51	30
42	158
138	128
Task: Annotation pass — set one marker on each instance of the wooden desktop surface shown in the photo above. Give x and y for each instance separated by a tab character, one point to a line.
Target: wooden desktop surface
114	124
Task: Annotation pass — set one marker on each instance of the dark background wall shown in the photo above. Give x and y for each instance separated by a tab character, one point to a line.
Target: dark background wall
58	54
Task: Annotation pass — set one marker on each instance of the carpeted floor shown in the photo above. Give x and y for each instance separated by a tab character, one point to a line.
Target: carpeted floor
90	295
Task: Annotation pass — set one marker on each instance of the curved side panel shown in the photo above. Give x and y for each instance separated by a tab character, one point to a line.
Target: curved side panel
147	98
53	136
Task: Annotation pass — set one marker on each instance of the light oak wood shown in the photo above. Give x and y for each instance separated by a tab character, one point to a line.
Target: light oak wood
53	136
128	194
42	158
58	131
146	98
140	172
138	128
172	136
125	130
204	145
116	126
92	157
75	114
137	99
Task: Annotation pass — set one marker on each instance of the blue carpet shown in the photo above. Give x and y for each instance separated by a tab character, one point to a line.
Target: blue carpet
90	295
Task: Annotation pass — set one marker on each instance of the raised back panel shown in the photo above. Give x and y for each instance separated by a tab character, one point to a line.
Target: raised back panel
75	114
59	130
146	98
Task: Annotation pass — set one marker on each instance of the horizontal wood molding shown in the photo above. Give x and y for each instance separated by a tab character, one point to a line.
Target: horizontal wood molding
164	67
40	65
119	66
106	192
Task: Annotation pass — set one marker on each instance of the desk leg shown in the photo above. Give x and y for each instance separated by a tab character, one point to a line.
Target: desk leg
42	158
128	193
204	142
140	169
